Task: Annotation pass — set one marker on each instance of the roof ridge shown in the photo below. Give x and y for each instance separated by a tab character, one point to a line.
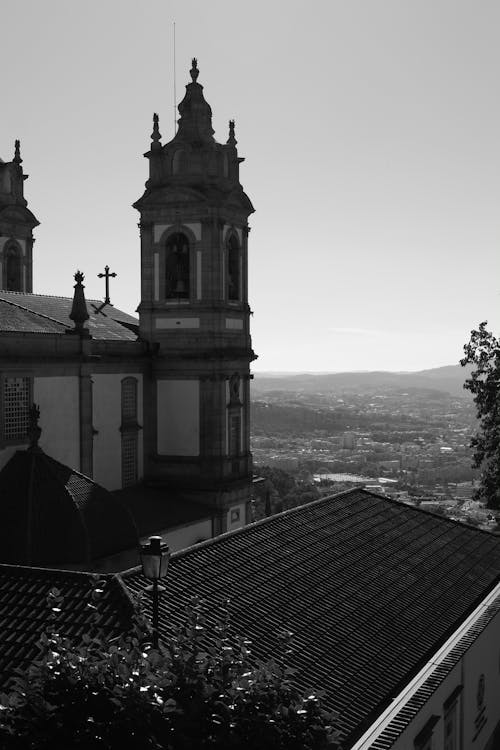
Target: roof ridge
49	461
290	511
20	569
242	529
56	296
33	312
429	512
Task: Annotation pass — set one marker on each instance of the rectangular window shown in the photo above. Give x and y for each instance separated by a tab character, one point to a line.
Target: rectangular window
129	428
16	404
234	434
129	400
423	740
452	720
129	459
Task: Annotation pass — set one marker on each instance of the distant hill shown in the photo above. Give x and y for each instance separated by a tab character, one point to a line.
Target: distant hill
449	379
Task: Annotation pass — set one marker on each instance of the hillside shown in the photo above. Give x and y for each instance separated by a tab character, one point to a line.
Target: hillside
449	379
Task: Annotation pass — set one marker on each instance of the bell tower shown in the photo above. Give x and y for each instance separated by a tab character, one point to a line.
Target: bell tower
194	313
16	228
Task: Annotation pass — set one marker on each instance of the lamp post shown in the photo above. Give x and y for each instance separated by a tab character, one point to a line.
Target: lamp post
155	558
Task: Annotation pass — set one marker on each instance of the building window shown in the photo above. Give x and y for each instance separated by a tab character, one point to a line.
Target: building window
129	459
12	269
233	269
129	401
129	429
234	434
16	404
179	161
177	267
451	717
423	740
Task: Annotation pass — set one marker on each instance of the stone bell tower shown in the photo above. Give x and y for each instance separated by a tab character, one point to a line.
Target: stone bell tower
16	228
194	313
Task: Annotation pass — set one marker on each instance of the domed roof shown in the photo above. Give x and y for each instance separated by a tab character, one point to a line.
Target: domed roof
51	514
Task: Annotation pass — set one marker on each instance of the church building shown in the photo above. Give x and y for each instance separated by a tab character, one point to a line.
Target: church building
154	409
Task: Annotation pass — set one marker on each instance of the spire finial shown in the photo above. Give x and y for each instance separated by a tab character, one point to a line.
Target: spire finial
17	152
34	429
156	135
231	140
79	313
194	70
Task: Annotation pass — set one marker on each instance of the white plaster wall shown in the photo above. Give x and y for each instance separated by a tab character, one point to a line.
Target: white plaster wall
483	657
58	400
178	417
185	536
107	414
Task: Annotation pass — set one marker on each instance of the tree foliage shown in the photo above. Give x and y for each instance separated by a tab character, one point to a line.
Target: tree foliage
192	692
483	353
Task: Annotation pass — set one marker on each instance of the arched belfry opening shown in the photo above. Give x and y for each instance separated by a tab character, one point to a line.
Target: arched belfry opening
12	269
179	162
233	269
177	267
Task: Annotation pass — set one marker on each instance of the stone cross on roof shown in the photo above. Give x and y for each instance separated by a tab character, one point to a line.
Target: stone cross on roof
107	276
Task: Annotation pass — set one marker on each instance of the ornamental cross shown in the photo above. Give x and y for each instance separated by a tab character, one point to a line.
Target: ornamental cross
107	276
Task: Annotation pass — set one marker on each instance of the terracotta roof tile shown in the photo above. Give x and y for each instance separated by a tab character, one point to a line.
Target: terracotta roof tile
370	588
41	313
25	610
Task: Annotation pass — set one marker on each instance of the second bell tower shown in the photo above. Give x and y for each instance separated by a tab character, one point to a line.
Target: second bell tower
194	313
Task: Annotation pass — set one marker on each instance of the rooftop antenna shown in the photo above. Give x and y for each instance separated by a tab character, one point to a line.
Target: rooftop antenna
175	92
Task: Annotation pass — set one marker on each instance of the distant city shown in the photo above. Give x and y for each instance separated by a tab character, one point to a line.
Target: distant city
404	435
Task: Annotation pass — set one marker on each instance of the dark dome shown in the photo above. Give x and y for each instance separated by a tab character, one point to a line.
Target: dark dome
51	514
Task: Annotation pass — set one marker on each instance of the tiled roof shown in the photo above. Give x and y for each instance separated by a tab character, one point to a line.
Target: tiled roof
41	313
369	587
25	610
52	515
19	320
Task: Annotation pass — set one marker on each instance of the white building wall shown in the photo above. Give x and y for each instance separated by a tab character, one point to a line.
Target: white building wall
107	412
477	719
58	400
185	536
178	403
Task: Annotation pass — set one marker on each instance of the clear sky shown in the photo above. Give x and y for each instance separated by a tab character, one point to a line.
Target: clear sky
371	131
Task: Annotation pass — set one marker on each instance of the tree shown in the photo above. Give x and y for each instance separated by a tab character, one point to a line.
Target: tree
483	353
192	692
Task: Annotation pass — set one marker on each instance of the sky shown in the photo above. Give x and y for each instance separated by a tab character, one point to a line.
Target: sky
371	136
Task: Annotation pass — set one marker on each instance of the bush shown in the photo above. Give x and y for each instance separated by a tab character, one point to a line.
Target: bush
200	690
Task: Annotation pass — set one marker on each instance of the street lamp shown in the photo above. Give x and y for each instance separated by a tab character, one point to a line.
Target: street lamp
155	558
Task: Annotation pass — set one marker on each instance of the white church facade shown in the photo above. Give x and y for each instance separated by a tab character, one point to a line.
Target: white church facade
155	404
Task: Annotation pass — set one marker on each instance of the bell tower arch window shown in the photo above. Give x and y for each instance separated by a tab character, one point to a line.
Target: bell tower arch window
179	161
12	268
177	267
233	269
